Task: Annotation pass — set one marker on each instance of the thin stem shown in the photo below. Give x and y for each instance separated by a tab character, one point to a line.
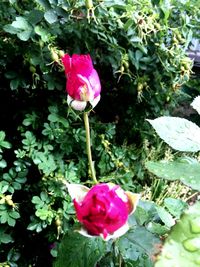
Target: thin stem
88	147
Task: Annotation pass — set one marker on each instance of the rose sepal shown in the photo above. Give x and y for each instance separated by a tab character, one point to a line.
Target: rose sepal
82	105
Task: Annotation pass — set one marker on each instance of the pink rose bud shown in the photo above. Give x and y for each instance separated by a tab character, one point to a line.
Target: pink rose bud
83	84
103	210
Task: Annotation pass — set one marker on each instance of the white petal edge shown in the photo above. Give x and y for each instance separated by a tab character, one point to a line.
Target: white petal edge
196	104
95	101
77	191
133	199
121	231
84	232
76	104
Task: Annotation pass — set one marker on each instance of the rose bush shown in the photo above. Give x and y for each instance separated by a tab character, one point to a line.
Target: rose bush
103	210
83	84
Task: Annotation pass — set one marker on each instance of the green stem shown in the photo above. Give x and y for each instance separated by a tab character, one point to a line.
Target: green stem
88	147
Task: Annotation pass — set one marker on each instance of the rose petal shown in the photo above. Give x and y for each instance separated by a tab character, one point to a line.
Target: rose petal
83	84
84	232
82	64
121	231
77	191
95	101
121	194
90	91
133	201
67	62
76	104
95	82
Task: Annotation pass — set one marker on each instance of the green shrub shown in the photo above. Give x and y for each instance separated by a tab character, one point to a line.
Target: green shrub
138	48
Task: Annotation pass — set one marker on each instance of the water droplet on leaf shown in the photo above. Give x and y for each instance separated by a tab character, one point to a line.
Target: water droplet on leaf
195	226
168	256
197	260
192	244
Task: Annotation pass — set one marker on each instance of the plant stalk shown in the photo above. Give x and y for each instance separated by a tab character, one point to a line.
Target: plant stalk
88	147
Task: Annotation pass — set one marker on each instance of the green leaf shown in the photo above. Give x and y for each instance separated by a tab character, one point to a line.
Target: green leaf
25	35
128	24
138	242
6	144
11	221
43	33
176	132
4	217
43	213
145	212
35	16
44	3
187	173
44	196
79	251
182	246
141	215
13	256
156	228
10	29
50	16
36	200
138	55
14	84
175	206
4	187
3	163
33	226
14	214
2	136
5	238
11	75
165	217
53	117
20	23
21	27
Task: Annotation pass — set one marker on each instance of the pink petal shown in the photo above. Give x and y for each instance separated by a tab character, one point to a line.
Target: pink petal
67	62
82	64
95	83
81	76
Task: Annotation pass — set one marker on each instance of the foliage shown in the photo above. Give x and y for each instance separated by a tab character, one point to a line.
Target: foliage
187	171
184	238
181	248
138	48
135	248
79	251
177	133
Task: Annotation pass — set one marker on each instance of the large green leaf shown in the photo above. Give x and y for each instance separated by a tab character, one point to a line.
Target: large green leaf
175	206
179	133
79	251
21	27
50	16
182	247
137	243
187	173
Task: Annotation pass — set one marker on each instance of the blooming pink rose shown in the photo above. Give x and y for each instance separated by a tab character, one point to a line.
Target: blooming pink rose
83	84
103	210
